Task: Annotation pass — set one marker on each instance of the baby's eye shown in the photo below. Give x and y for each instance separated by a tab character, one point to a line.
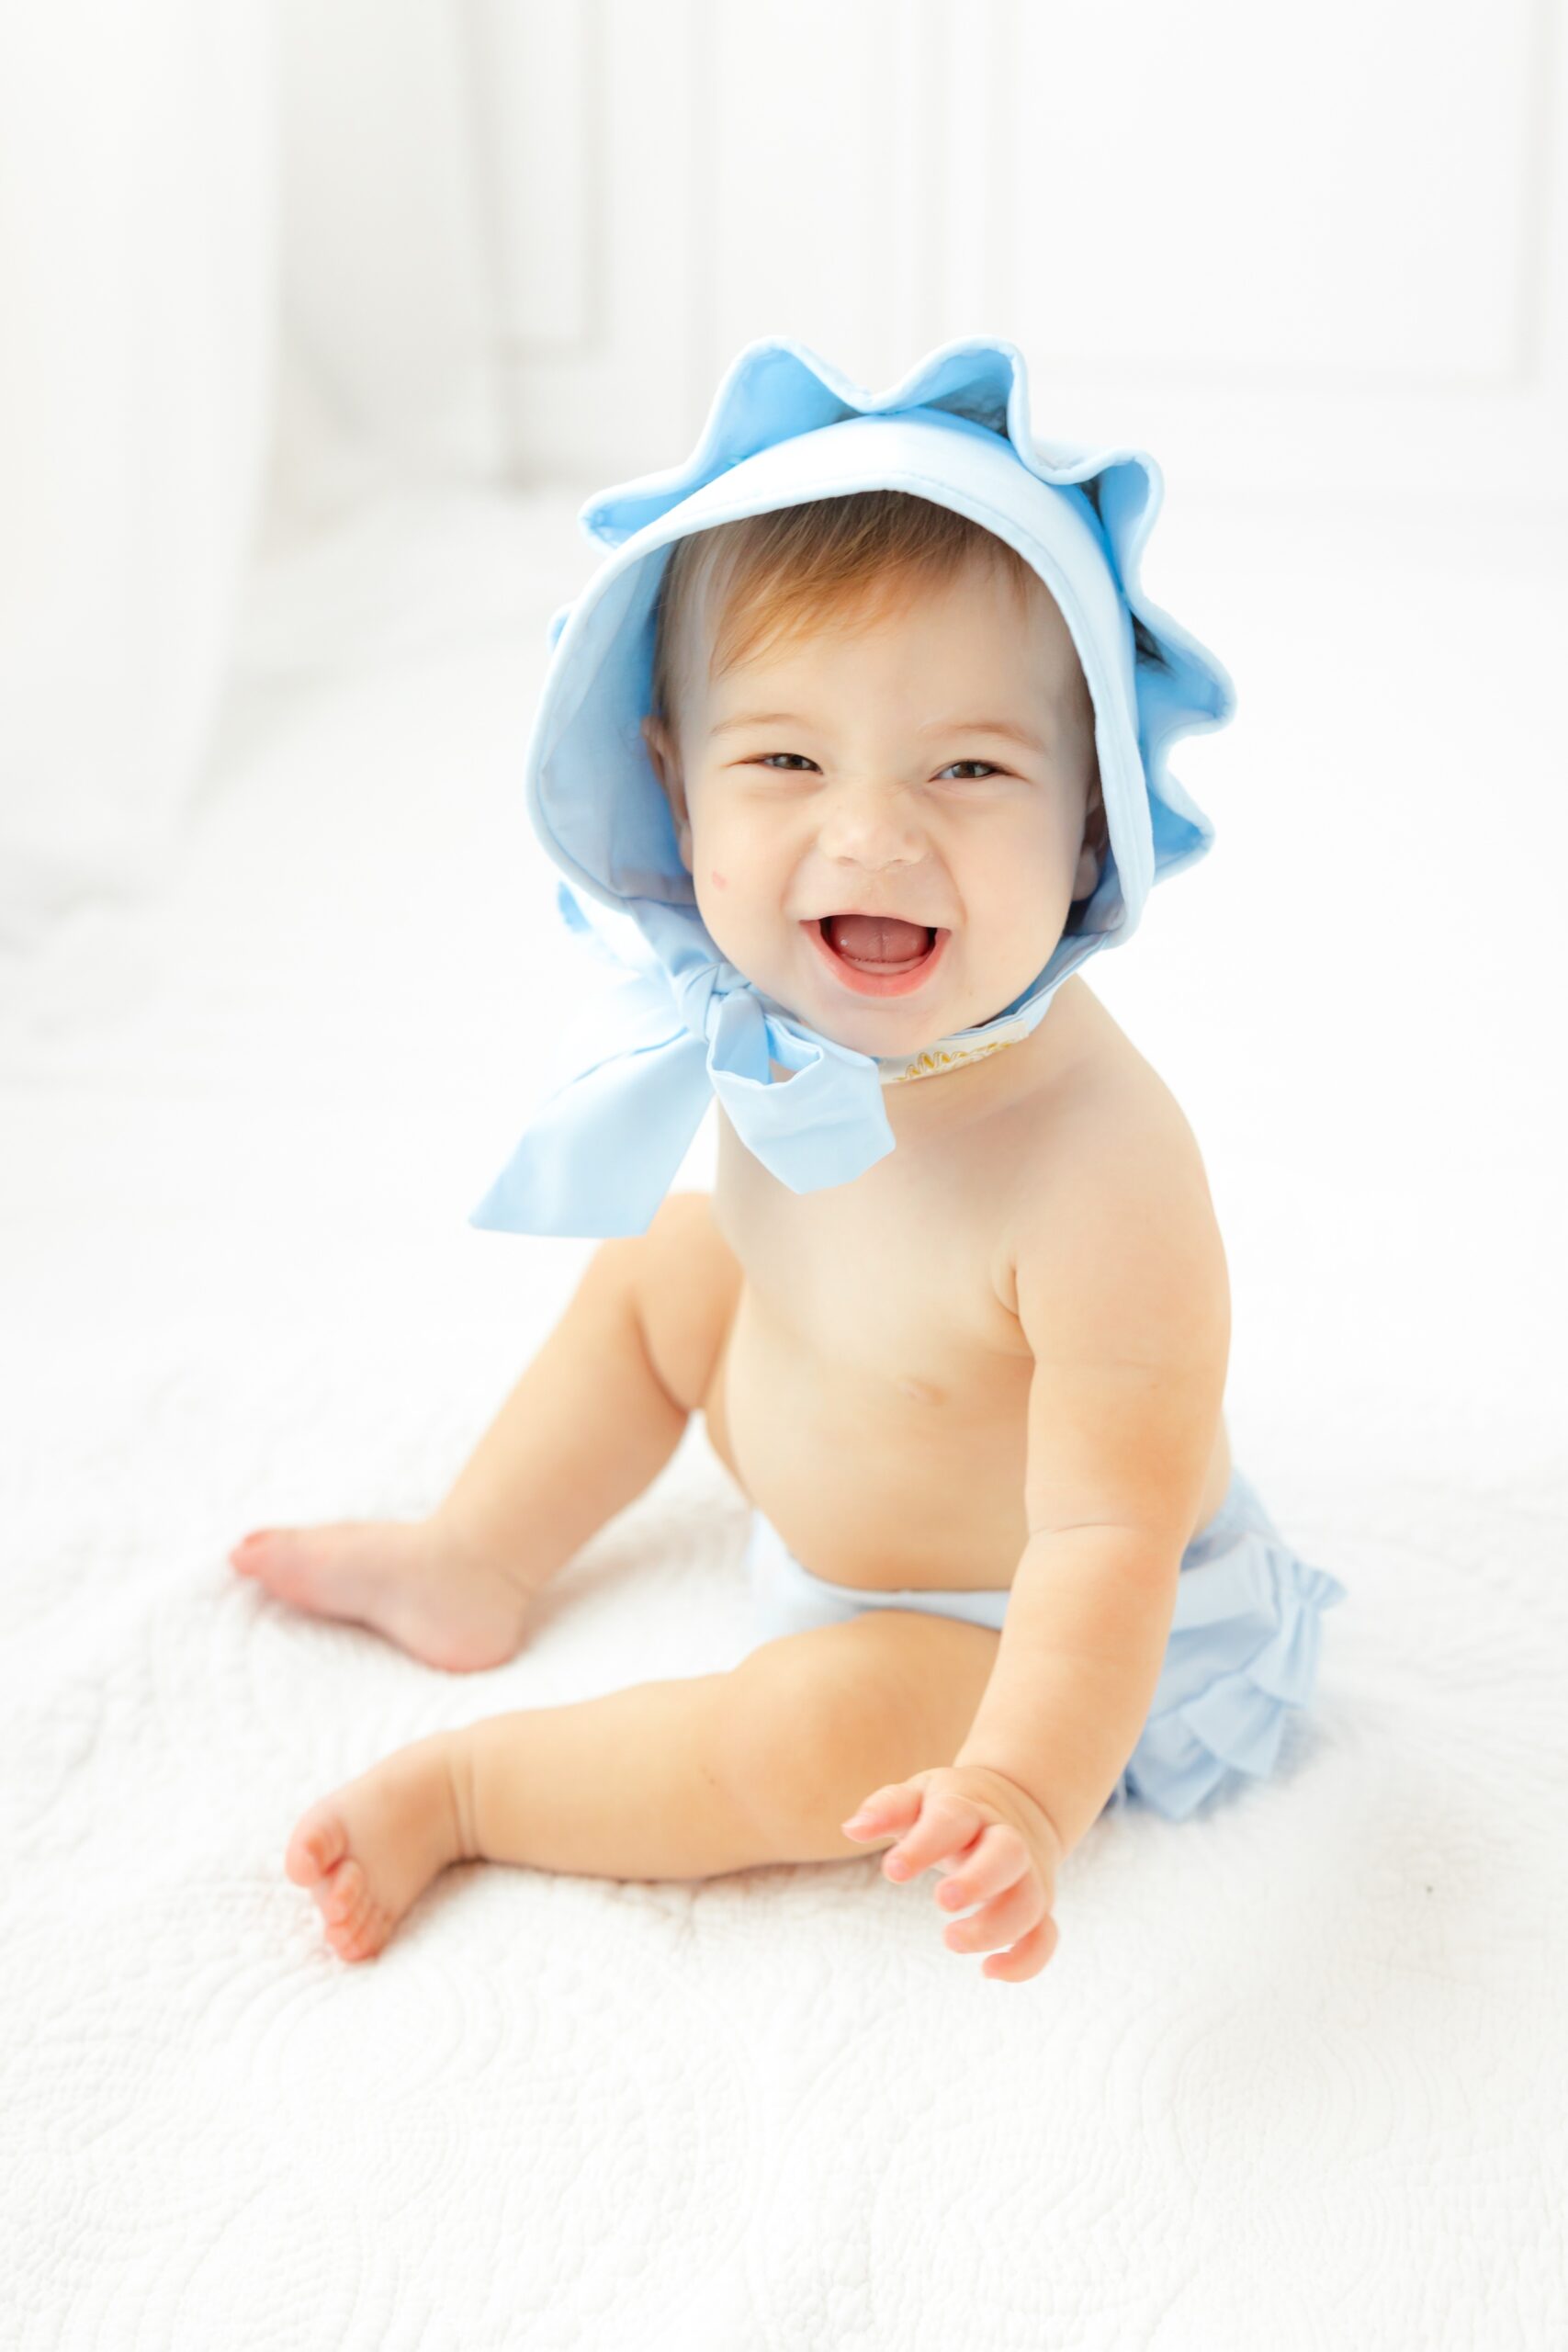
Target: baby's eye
987	765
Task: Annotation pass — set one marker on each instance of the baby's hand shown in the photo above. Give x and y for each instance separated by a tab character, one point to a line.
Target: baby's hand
1000	1850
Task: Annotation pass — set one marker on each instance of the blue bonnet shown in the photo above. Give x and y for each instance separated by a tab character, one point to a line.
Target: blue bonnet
665	1022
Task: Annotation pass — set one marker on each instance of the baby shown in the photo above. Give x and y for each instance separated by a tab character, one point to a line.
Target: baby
973	1395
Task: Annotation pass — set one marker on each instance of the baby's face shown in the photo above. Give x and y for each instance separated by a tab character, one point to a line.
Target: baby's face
866	772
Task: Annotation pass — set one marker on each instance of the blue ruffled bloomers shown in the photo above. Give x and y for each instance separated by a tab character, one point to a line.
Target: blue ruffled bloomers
1243	1649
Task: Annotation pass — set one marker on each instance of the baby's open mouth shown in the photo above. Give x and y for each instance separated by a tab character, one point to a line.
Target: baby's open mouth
881	946
878	956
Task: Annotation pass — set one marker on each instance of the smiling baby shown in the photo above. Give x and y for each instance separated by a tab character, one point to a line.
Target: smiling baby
956	1313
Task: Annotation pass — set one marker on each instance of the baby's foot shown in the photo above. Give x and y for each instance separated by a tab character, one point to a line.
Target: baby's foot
415	1580
367	1850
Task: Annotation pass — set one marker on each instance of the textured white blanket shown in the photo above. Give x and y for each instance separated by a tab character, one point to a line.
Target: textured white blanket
1298	2073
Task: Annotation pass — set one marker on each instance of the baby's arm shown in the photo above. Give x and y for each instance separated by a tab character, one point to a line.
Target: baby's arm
1123	1298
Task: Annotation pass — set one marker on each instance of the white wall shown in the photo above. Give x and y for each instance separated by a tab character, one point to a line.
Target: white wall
1287	248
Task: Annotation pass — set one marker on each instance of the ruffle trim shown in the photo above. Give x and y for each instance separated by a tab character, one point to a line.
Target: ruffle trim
1255	1615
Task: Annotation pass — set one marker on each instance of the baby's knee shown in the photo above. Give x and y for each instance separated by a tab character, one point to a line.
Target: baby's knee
799	1737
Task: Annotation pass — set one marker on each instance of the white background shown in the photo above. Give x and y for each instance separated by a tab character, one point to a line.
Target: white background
318	323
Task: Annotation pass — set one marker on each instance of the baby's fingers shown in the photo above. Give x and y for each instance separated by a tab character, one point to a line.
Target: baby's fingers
1002	1921
1028	1956
947	1824
996	1861
884	1811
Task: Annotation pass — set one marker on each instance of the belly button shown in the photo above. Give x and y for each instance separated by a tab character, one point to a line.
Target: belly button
918	1391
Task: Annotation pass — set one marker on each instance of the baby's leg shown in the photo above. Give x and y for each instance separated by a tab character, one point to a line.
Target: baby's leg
595	1418
684	1779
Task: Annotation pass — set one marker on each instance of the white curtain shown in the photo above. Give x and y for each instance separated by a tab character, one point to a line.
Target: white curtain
388	258
242	286
138	207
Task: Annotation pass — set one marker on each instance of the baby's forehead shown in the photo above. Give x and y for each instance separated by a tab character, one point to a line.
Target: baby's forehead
1014	635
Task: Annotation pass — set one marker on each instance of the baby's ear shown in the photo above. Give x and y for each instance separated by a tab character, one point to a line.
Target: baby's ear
1096	840
660	752
657	742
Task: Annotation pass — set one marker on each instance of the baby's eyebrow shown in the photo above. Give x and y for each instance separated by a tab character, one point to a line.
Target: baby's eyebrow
1013	733
1004	727
758	719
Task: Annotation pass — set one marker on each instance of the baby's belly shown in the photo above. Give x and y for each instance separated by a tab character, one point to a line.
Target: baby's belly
865	1484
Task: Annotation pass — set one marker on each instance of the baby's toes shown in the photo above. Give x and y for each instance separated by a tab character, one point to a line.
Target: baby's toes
247	1555
320	1841
269	1553
363	1941
342	1894
356	1927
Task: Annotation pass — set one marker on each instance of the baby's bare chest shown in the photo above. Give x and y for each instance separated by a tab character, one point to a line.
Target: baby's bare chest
872	1394
899	1281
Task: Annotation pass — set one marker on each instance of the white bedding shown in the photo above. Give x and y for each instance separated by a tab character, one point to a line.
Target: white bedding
1296	2076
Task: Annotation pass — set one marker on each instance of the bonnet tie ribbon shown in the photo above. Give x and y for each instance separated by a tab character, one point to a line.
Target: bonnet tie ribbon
645	1057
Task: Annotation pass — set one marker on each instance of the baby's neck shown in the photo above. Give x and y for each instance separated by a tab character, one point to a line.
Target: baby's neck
948	1054
949	1098
990	1081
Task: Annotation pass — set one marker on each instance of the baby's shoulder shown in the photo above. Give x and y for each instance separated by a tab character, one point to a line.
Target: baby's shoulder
1103	1108
1104	1164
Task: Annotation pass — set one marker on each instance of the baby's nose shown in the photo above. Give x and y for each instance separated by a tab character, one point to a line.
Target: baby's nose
871	828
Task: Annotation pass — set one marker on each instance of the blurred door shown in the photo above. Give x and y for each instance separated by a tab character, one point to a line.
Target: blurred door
1288	247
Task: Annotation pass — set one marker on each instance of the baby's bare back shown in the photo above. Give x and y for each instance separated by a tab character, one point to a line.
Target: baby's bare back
869	1396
